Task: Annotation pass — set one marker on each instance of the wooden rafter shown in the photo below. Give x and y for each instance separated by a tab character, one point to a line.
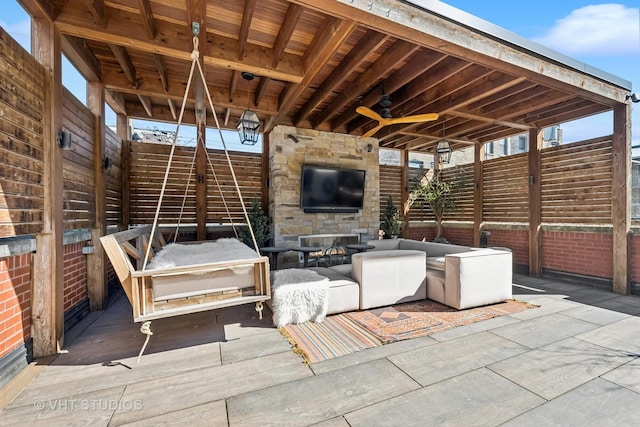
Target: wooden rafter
125	63
98	11
286	30
247	15
162	71
147	18
146	104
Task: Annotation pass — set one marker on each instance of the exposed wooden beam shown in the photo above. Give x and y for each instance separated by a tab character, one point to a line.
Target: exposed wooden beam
483	119
161	113
422	67
40	9
233	84
286	30
247	16
147	18
428	29
172	108
260	90
328	39
125	63
146	104
478	193
370	42
152	87
227	115
371	77
162	71
115	100
98	11
218	51
535	203
77	51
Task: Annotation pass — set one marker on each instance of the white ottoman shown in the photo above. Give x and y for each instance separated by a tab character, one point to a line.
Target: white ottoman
298	296
390	277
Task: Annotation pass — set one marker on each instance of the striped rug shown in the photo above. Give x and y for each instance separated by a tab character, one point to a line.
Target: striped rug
336	336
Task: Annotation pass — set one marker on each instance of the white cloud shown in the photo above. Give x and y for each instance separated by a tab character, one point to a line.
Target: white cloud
20	31
602	29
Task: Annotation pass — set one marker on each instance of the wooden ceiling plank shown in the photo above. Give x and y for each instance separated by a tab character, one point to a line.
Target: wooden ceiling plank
146	104
247	16
147	18
162	71
218	51
233	84
125	63
414	70
370	42
371	77
327	40
77	51
286	30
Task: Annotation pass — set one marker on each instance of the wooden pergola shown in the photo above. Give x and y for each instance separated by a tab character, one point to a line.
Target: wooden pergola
315	61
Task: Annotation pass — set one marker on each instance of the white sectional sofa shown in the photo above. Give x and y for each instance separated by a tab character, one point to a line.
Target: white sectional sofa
401	270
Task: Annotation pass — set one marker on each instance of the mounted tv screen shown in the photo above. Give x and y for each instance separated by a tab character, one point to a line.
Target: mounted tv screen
325	189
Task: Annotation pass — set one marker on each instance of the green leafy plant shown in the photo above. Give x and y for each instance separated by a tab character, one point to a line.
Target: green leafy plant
391	223
430	191
259	223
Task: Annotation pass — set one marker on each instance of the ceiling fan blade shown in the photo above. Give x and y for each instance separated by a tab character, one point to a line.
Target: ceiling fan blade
418	118
372	131
368	112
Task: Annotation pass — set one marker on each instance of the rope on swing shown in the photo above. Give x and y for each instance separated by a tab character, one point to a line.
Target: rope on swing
195	54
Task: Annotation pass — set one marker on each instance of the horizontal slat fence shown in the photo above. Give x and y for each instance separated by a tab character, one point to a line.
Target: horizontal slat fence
390	185
148	166
577	182
464	199
22	95
506	189
113	178
78	175
248	170
418	212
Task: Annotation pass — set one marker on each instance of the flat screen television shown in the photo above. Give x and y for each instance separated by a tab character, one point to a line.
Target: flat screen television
327	189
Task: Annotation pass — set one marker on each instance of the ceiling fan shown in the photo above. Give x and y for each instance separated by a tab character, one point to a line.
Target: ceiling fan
385	119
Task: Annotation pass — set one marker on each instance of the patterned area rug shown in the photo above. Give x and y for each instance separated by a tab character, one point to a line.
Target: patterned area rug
419	319
336	336
347	333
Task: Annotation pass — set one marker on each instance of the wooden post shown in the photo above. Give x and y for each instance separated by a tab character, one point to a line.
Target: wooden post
48	266
404	191
264	195
478	193
124	132
535	202
201	183
620	201
96	281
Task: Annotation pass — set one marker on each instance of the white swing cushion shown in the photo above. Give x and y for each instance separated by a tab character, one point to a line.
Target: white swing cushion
206	277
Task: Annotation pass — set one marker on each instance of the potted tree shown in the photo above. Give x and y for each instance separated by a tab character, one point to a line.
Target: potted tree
259	223
391	224
430	191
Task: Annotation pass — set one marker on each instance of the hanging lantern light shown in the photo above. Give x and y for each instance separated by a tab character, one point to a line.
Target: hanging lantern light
249	124
443	149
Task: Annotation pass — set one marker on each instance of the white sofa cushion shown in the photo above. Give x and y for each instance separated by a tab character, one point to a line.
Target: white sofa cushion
389	277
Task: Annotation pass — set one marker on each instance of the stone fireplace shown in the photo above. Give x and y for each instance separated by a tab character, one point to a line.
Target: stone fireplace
286	157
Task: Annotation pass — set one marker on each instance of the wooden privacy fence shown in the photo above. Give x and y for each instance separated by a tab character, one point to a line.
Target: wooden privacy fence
147	170
21	140
576	186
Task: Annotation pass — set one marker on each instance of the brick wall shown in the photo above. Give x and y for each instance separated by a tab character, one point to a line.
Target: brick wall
15	302
75	275
516	240
458	235
418	232
586	253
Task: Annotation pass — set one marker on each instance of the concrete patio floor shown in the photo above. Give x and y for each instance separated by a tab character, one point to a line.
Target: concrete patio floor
574	361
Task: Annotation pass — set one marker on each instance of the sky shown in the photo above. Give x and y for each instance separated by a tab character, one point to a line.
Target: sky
603	35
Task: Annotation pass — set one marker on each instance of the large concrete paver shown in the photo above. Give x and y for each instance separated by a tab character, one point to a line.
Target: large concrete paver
627	375
172	393
438	362
209	414
559	367
600	316
623	336
477	398
597	403
544	330
320	398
